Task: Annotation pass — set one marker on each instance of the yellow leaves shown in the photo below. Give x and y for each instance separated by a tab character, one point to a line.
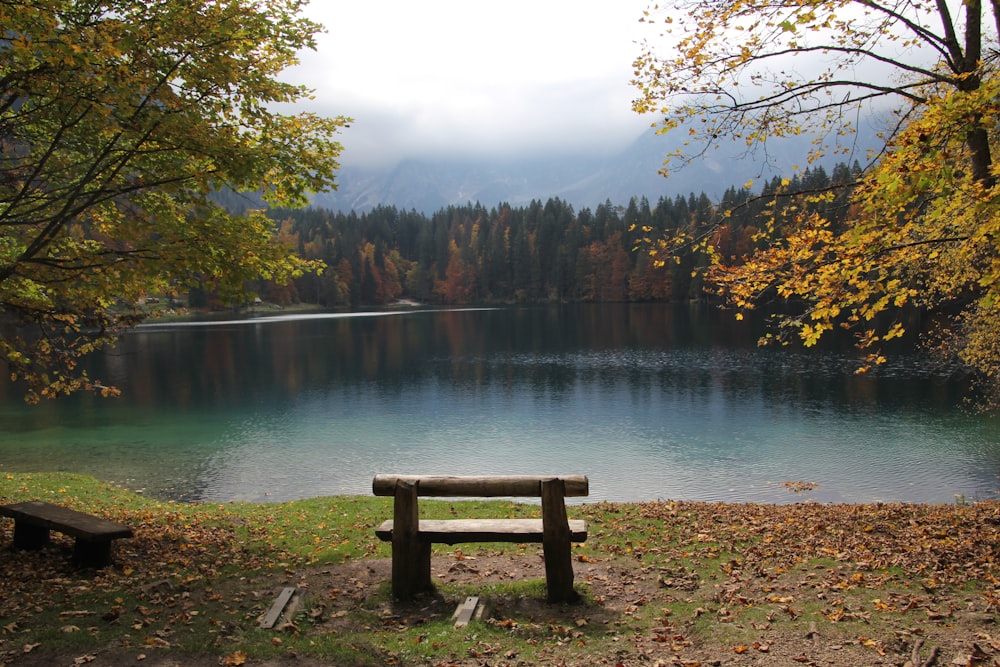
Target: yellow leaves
810	334
923	230
136	111
880	605
825	311
895	331
235	659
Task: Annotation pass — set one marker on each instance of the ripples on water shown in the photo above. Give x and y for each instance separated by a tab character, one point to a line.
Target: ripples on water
317	406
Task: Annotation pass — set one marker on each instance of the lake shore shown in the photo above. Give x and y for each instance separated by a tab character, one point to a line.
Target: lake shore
662	583
163	312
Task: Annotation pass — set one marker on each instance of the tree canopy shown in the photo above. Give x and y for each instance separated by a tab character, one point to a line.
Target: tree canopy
118	120
923	227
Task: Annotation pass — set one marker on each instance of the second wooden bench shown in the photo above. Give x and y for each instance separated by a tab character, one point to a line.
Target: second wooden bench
34	519
412	536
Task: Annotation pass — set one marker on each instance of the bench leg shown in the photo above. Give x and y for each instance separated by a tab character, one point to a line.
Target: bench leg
30	536
411	556
411	569
91	553
556	544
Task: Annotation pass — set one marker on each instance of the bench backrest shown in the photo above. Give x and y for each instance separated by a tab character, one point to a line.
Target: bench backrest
479	486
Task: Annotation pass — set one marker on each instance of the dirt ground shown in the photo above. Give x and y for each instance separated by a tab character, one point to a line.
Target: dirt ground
918	629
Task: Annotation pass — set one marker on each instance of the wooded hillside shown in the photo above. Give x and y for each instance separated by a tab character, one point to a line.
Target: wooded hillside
541	252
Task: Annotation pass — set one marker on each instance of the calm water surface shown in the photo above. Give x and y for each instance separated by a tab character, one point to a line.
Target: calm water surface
650	401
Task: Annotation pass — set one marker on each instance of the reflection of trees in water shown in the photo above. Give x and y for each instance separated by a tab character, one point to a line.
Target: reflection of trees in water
690	350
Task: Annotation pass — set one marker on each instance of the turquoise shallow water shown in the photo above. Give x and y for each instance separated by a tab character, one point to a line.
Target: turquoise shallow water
649	401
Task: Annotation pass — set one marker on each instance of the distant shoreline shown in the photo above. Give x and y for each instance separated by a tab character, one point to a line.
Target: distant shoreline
264	308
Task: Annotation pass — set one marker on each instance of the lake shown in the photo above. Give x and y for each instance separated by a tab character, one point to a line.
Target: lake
649	401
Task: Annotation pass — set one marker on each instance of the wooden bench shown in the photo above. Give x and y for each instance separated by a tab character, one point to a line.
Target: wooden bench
412	536
34	519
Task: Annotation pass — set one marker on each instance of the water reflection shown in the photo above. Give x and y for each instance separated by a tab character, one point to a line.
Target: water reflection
650	401
545	348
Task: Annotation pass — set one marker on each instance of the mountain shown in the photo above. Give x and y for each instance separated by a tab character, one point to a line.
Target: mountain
584	181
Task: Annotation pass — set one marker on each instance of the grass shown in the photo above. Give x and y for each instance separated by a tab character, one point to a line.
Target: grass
683	582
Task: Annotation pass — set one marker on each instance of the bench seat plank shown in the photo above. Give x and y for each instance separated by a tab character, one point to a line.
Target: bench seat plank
456	531
64	520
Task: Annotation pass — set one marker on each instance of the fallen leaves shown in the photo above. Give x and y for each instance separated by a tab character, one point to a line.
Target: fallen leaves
161	581
668	583
874	565
943	545
234	659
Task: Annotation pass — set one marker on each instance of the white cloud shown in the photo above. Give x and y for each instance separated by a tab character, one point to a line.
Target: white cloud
466	77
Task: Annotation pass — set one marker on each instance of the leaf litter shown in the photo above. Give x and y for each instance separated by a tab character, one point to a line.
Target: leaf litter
671	584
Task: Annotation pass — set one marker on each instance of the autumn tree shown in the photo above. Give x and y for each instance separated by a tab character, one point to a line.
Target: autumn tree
923	229
456	287
117	121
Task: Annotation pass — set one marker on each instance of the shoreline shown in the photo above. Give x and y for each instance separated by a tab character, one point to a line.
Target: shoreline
960	499
185	314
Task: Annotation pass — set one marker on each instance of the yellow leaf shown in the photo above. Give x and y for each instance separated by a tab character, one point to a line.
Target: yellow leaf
235	659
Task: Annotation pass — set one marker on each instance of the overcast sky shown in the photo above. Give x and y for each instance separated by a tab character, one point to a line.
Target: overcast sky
470	78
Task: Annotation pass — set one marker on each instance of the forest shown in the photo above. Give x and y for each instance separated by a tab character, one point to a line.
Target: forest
541	252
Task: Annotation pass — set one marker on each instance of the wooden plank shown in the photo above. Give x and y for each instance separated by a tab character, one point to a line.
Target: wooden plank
279	606
411	555
482	610
479	486
65	520
456	531
556	545
465	611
